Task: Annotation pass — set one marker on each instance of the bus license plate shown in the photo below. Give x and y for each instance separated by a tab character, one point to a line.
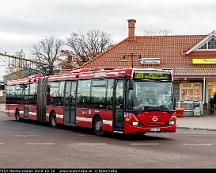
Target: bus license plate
154	129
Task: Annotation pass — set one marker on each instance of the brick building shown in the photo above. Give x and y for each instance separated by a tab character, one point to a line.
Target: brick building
191	57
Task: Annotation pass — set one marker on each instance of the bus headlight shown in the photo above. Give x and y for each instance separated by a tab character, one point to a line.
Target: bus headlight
171	122
135	123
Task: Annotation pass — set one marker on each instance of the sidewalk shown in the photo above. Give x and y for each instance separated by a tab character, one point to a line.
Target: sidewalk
206	122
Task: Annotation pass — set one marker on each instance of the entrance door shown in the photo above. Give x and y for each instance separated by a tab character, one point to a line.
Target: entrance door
42	99
118	114
70	103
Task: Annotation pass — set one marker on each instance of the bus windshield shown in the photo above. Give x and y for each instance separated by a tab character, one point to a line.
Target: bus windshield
150	96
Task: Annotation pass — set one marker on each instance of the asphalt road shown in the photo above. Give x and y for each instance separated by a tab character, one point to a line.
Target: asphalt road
27	144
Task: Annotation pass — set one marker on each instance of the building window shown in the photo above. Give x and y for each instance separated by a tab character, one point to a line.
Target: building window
190	91
211	44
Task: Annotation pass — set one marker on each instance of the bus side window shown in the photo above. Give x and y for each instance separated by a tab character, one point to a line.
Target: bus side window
109	97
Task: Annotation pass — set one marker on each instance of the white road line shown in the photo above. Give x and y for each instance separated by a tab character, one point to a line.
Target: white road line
1	143
140	144
25	135
82	135
94	144
197	144
40	143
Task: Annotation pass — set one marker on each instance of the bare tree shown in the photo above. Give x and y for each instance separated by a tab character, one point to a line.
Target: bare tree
89	45
48	51
157	32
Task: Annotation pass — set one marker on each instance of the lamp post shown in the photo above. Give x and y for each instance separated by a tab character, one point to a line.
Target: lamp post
131	56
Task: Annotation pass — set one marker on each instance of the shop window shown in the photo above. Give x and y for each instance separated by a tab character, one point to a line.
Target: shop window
190	91
211	89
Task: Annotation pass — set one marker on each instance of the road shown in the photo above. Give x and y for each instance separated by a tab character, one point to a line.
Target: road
27	144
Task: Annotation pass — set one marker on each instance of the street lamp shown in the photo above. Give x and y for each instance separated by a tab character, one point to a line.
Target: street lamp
131	56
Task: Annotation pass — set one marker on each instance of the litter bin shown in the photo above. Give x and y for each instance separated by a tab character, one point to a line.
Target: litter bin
196	109
179	112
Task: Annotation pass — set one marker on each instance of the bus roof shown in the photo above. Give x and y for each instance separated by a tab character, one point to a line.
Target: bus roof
87	74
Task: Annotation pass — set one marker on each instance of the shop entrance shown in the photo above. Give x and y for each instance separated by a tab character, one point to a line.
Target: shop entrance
211	92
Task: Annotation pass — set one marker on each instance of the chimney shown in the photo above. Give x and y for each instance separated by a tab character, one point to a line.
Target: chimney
131	27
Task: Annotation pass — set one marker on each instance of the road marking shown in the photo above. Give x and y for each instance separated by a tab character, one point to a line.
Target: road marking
94	144
197	144
25	135
139	144
82	135
40	143
1	143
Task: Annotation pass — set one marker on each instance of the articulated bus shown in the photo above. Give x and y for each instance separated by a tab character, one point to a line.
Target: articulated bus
127	100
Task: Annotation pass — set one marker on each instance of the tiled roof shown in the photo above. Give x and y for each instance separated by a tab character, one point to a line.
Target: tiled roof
170	49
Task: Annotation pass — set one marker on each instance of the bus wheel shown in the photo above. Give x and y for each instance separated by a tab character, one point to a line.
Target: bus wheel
53	123
17	116
98	126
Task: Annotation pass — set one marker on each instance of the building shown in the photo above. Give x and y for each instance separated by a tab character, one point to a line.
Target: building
191	57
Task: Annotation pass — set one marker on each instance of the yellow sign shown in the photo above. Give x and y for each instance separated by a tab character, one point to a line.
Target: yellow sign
204	61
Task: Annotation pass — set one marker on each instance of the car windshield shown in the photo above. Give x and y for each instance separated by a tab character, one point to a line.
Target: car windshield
150	96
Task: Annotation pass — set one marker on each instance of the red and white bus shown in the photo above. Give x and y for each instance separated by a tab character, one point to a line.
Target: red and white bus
129	101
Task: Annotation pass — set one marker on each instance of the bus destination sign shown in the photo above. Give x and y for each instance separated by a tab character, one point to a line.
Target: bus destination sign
152	75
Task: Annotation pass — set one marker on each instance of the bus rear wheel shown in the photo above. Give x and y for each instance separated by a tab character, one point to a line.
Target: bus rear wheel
53	123
98	126
17	116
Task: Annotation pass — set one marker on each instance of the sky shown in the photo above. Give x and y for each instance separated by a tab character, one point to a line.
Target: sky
26	22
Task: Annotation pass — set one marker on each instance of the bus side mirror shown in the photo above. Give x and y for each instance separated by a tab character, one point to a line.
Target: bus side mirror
131	84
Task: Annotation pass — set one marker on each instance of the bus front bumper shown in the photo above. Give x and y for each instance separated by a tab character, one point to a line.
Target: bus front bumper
131	129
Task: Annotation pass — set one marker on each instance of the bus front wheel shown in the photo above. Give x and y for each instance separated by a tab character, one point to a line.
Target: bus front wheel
53	123
98	126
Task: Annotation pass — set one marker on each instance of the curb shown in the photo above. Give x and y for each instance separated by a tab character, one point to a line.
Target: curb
197	128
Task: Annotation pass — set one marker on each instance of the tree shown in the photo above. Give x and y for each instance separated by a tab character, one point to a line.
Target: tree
89	45
48	51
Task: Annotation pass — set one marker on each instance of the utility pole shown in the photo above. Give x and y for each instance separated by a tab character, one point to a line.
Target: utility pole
24	65
21	59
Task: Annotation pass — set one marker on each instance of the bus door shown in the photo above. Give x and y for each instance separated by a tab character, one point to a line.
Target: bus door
26	100
70	103
42	98
118	106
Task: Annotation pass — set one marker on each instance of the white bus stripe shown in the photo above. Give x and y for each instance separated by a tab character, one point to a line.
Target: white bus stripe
109	122
59	116
84	119
10	111
32	113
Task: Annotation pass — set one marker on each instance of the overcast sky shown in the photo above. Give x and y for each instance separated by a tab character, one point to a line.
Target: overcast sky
24	22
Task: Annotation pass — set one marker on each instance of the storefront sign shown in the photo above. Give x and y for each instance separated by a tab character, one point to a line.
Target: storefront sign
150	60
204	61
